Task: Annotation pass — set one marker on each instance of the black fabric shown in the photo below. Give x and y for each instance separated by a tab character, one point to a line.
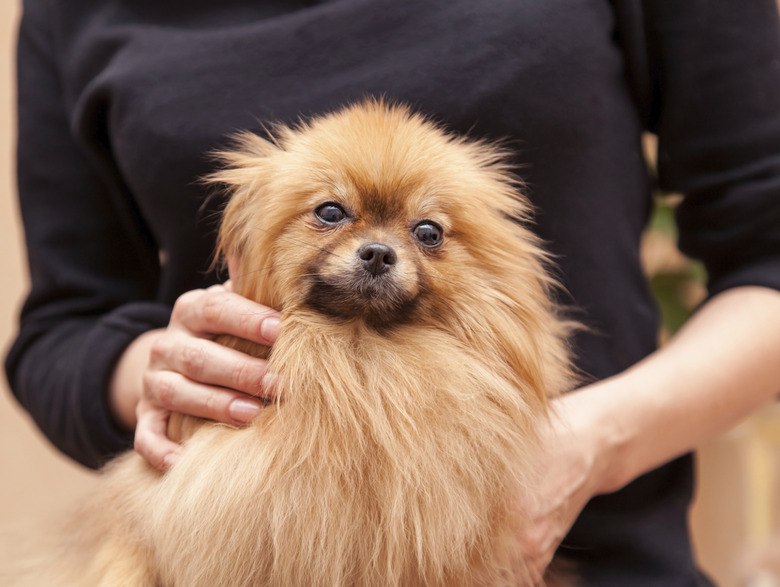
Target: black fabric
120	103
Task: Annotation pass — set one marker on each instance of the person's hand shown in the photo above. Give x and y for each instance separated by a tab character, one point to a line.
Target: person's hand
571	469
187	371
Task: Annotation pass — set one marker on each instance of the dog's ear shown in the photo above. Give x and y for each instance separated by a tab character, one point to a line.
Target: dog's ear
247	169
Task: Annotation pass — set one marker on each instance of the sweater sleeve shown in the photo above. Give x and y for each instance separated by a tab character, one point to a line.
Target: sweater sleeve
716	68
93	269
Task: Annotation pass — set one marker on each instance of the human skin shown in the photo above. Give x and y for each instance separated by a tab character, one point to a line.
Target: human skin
723	365
182	369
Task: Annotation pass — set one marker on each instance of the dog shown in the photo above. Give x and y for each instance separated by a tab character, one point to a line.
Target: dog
419	350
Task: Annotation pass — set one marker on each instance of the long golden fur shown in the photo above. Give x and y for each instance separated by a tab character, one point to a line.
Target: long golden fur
410	394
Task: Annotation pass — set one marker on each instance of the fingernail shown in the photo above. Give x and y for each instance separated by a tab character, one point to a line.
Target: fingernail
269	329
243	410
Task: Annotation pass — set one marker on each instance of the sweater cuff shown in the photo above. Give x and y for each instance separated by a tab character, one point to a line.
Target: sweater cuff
99	435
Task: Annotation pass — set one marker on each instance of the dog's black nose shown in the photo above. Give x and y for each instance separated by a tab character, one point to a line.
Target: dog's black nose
377	258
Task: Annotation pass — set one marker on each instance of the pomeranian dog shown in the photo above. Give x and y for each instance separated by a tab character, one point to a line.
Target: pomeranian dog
419	350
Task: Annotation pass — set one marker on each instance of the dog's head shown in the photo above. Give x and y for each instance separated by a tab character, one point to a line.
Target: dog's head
375	214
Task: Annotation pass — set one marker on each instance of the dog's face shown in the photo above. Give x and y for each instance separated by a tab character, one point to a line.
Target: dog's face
370	253
370	214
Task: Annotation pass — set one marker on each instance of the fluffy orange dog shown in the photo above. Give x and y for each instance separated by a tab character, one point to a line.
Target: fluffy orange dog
418	352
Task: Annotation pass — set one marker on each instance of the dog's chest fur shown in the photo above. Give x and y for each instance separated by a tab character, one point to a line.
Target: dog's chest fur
384	464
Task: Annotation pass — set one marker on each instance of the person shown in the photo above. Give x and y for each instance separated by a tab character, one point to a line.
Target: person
120	104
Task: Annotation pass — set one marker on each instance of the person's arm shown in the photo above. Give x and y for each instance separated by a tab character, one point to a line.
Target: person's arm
99	361
94	276
722	366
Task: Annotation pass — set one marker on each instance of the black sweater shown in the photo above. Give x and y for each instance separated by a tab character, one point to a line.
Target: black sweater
121	101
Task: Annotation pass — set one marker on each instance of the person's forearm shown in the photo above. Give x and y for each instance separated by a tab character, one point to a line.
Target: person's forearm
722	366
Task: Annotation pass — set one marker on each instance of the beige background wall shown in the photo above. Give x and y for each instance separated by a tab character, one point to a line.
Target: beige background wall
35	479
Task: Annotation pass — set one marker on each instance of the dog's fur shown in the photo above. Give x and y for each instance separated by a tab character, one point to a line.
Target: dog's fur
409	400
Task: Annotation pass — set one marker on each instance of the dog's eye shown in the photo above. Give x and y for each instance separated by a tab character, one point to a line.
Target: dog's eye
428	233
330	213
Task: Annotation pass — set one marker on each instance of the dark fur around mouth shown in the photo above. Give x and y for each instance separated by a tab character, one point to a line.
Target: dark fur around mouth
377	301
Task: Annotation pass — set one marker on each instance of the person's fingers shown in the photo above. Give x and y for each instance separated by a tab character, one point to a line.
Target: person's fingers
151	440
218	311
176	393
190	373
208	362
